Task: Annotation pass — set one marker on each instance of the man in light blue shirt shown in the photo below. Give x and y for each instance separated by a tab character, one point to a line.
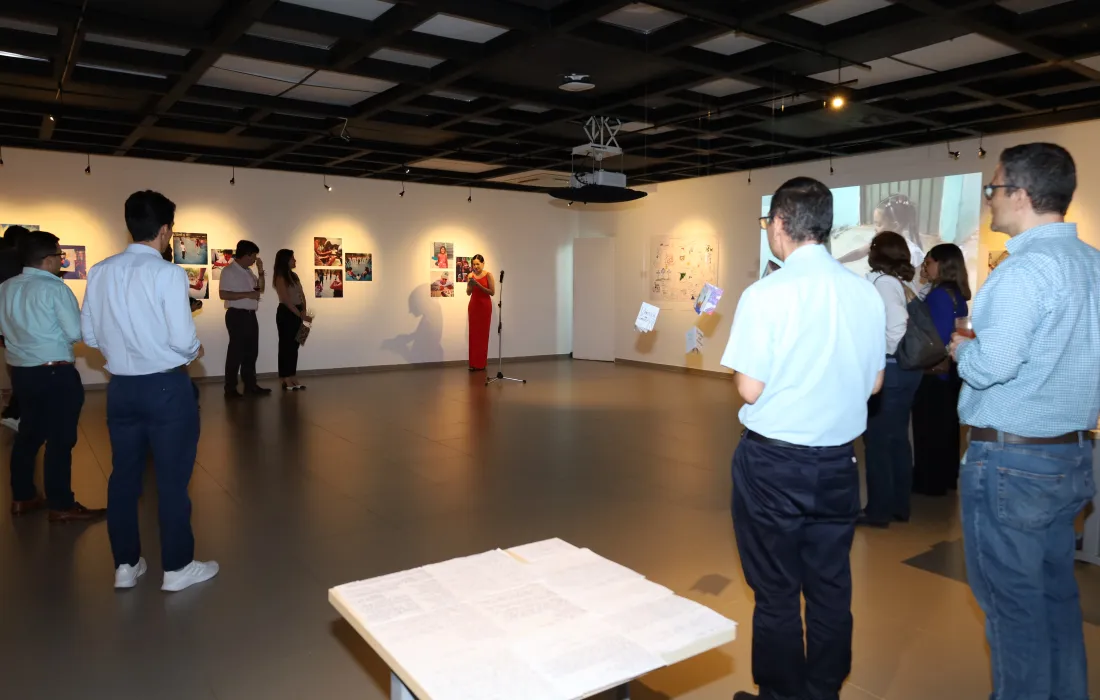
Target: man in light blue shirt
136	311
1032	390
808	347
40	321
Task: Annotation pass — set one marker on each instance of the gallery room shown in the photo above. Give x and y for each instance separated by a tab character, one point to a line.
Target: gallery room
525	349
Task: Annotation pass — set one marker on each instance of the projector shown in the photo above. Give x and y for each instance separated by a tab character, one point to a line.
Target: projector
598	186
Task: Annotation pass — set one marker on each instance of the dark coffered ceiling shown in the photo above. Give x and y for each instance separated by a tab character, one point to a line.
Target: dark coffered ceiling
466	91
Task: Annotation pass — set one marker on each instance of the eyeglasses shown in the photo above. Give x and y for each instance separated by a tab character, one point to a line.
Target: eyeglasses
765	220
988	190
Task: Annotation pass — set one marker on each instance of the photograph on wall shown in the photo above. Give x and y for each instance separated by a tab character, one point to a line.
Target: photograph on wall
74	262
328	252
442	283
680	266
328	284
463	268
358	267
190	249
220	259
443	255
926	212
198	282
29	227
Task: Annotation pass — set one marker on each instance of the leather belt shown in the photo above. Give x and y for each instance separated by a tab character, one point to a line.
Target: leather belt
757	437
182	369
993	435
56	363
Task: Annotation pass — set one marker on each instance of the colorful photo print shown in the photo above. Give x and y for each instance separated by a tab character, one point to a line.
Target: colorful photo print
442	283
328	284
358	267
190	249
328	252
463	270
29	227
74	262
221	257
198	282
443	255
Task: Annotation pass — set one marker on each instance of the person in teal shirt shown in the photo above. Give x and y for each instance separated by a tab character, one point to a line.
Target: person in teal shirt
40	322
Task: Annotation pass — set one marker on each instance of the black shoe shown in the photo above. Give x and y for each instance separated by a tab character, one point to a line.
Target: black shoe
233	394
258	391
864	521
901	519
743	695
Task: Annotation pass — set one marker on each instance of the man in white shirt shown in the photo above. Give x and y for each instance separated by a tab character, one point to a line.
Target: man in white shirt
808	350
240	289
136	312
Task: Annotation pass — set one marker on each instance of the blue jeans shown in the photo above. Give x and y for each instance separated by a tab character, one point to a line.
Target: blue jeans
886	445
1018	506
154	413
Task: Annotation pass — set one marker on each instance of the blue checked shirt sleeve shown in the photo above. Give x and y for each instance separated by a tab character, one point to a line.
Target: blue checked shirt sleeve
1007	313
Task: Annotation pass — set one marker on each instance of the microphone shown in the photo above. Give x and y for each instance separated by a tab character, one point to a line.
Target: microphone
502	277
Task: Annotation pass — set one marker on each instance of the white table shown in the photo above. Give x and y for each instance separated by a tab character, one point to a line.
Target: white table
1090	549
546	620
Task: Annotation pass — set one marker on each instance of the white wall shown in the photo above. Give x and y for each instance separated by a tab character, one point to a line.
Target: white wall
523	233
729	206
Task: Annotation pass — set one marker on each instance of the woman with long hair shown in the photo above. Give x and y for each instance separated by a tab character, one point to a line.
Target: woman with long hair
897	214
936	432
886	442
289	317
480	287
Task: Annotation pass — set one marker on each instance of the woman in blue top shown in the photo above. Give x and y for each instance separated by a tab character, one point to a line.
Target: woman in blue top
936	439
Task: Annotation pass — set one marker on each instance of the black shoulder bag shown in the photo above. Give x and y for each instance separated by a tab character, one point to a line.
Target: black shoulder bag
920	347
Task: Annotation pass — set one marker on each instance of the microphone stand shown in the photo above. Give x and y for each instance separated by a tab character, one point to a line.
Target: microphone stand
500	342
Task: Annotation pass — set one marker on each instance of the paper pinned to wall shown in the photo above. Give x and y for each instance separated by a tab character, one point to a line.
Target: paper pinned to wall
694	340
706	301
647	318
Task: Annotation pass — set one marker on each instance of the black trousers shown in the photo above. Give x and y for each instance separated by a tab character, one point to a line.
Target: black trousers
51	400
794	515
244	348
936	435
288	324
158	413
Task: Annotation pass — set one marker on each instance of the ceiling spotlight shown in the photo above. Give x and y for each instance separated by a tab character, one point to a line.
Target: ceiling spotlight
51	117
837	102
831	171
233	177
471	197
981	153
88	168
954	155
324	179
569	205
1	156
407	170
402	192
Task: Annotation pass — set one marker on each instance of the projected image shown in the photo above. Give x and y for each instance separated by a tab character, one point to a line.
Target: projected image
926	212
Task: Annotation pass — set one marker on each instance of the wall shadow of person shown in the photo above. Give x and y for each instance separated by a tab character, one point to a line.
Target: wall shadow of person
425	343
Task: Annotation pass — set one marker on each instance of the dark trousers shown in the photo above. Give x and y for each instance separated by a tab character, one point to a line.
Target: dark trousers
936	435
152	413
244	347
51	399
288	324
886	445
794	515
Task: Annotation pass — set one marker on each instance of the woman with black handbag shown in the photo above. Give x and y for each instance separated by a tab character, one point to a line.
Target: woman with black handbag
886	445
936	432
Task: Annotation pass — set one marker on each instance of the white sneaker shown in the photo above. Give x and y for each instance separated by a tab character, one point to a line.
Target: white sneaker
195	572
11	423
127	576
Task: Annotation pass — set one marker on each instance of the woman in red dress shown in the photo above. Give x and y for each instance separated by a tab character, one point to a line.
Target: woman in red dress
480	286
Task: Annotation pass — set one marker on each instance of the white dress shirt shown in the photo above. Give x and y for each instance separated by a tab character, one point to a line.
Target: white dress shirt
236	278
892	291
812	333
136	311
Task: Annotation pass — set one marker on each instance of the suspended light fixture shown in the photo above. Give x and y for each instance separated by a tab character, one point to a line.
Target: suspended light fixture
88	168
233	177
324	179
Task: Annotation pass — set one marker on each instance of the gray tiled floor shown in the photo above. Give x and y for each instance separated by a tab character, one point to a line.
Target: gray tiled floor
367	474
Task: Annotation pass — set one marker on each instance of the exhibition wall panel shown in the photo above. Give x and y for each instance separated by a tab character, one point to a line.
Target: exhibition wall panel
727	207
392	319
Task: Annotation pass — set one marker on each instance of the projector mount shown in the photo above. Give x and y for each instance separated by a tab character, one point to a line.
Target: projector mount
601	144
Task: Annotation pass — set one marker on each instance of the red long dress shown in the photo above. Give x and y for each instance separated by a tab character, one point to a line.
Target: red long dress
480	314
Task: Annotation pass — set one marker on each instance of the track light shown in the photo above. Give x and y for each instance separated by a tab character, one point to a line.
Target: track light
750	177
51	117
981	150
831	171
88	168
402	192
837	102
1	156
233	177
324	179
407	170
471	197
569	205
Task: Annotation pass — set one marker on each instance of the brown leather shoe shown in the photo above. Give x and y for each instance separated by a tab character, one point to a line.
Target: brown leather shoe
24	507
76	513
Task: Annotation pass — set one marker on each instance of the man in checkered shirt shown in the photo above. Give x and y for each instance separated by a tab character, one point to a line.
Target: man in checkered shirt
1031	393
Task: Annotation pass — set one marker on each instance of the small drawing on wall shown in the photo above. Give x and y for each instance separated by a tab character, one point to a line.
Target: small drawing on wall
358	267
679	267
328	252
190	249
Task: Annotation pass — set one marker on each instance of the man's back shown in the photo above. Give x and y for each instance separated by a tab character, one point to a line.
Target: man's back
814	334
136	312
1038	326
39	318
